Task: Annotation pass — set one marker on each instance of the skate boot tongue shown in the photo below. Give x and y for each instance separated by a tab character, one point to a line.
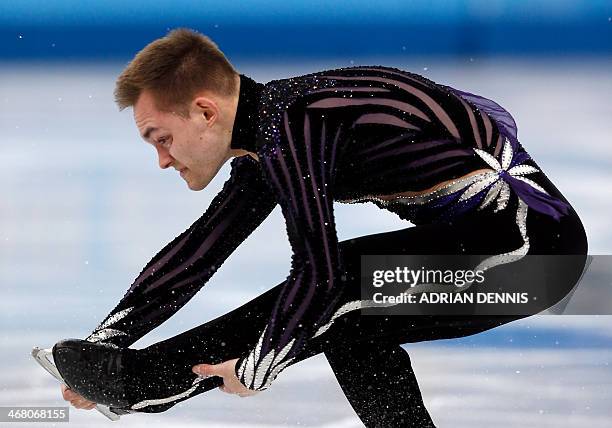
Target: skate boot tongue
94	371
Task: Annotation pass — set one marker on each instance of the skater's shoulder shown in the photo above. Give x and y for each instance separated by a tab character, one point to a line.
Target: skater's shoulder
280	94
283	92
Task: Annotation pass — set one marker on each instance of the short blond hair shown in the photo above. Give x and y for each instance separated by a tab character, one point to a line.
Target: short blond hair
174	68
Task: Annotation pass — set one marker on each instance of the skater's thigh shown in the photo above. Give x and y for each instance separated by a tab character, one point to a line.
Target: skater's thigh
477	234
480	234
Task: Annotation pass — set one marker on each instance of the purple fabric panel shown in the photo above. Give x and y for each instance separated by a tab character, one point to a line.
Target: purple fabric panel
505	121
537	200
519	158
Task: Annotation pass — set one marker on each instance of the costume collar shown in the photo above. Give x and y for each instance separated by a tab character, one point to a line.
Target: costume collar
245	123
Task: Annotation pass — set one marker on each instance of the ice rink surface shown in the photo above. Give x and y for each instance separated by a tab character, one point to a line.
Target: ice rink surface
84	207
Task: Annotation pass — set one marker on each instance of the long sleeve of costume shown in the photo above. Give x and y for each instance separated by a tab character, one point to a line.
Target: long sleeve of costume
183	266
298	165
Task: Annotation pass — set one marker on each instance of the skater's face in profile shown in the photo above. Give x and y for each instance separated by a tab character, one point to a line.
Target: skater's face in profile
196	144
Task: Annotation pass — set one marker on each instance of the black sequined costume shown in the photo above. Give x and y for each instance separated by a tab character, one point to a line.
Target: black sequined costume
358	134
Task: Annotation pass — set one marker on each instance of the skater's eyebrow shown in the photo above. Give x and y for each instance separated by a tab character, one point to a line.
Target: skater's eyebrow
148	131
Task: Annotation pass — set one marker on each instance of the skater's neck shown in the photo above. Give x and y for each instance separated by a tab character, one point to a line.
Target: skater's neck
245	123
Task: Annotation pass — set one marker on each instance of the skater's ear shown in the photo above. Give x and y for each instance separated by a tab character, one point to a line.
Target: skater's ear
206	108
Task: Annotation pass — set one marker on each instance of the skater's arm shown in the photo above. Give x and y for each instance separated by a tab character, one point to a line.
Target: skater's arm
298	165
183	266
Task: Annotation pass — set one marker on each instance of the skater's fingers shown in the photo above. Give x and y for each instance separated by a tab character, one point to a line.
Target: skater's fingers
81	404
87	405
76	400
75	403
71	395
68	394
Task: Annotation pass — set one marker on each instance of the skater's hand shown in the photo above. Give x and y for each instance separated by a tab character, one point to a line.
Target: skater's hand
76	400
226	370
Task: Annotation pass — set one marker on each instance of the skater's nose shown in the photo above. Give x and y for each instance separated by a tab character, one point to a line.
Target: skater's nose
165	159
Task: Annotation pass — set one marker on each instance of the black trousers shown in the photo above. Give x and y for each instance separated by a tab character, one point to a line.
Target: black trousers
364	351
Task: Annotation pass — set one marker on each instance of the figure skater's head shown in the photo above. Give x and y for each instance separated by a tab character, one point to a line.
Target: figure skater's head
184	93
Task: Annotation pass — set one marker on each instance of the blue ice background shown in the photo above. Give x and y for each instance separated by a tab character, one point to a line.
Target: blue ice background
277	29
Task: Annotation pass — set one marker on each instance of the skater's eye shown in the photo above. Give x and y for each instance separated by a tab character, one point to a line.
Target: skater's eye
164	142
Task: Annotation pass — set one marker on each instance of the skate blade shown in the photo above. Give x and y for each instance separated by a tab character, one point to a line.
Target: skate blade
44	357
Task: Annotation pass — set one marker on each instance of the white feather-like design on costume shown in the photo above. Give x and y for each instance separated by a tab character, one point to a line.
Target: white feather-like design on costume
491	194
102	333
517	171
256	374
347	307
275	373
282	354
502	198
267	371
531	183
155	401
246	371
522	170
489	159
114	318
262	369
506	155
480	185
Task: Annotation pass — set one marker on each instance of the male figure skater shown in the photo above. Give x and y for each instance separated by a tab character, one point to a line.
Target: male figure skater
447	160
